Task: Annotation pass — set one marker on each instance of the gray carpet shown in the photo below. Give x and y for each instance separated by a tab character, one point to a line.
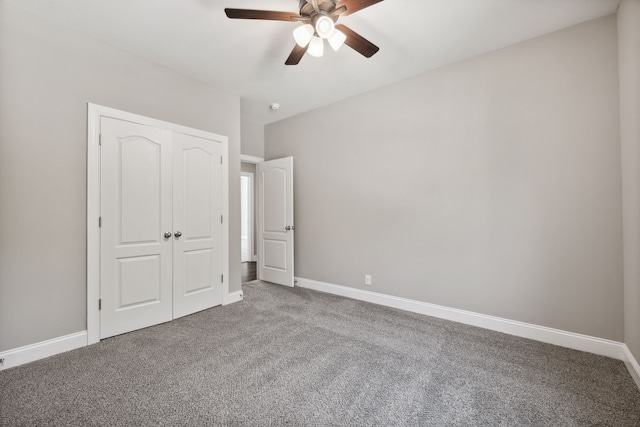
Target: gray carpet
295	357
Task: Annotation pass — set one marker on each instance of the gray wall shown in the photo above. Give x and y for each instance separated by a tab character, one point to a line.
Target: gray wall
47	76
491	185
629	66
252	135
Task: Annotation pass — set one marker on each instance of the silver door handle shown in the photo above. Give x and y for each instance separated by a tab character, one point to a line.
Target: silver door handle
178	234
167	235
287	228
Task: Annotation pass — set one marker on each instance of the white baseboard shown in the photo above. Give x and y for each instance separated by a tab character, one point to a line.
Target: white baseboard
559	337
614	349
632	364
29	353
232	297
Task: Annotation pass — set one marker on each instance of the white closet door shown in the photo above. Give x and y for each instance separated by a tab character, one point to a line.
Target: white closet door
197	214
136	210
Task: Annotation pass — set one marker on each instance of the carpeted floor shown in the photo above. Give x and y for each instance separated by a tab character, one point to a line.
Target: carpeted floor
295	357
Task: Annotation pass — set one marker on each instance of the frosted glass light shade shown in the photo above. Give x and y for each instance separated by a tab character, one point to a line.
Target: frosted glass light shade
316	47
337	39
303	34
324	27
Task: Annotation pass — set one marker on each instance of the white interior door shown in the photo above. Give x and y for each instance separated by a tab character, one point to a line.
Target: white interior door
275	224
136	211
197	221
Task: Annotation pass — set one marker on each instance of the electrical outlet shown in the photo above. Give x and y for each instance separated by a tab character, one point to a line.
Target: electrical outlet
367	279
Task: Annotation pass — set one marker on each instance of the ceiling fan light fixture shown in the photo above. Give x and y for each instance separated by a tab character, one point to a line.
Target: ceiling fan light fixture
316	47
303	34
316	21
324	26
337	39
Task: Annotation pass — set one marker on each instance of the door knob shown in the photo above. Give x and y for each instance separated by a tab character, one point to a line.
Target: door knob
178	234
288	227
167	235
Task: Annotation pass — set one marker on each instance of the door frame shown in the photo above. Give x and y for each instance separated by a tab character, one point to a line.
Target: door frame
251	213
94	114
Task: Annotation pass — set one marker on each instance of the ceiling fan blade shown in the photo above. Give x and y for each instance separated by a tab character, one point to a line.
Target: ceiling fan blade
270	15
358	43
296	55
355	5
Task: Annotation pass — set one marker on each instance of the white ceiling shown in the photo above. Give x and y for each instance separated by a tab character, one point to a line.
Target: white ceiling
247	57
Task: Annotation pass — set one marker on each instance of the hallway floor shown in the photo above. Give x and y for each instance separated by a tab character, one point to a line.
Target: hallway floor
248	272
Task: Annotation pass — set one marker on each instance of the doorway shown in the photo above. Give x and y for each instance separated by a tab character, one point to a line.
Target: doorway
248	217
273	225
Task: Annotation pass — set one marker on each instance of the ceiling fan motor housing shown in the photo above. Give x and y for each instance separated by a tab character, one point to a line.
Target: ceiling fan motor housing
320	16
325	7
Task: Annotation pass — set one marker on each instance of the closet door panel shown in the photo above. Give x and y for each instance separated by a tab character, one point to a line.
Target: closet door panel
136	211
197	280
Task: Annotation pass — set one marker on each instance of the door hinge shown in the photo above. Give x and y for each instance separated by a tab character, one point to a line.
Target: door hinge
100	139
221	219
222	278
100	304
220	159
99	221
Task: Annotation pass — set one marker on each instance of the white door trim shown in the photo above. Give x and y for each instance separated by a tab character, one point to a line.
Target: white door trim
94	113
250	159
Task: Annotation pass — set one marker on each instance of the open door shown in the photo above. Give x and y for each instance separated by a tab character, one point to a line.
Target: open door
275	223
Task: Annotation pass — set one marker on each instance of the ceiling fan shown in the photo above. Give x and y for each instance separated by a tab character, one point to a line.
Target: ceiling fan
319	23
